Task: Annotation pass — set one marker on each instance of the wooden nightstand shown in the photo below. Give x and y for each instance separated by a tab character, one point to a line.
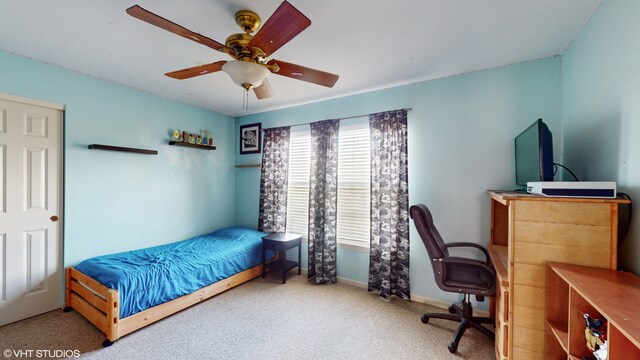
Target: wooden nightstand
282	242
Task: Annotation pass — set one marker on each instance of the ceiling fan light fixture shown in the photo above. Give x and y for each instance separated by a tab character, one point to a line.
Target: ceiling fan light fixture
250	68
245	74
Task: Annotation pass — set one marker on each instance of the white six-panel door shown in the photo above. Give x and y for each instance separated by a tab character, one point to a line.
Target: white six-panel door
30	208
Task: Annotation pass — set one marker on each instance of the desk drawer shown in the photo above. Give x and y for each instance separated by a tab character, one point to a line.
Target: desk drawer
502	303
502	343
502	319
272	245
281	245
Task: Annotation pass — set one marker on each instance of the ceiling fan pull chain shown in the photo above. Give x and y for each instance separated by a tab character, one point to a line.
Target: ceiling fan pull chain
245	100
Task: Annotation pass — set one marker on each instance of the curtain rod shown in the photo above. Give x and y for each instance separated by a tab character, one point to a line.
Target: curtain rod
345	118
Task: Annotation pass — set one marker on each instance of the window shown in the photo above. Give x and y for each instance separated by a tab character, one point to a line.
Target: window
298	193
353	183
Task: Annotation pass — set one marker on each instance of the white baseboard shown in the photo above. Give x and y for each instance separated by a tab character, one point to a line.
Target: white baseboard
351	282
443	304
434	302
343	280
414	297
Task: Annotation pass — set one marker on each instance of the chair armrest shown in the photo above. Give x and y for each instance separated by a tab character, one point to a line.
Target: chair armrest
470	244
481	265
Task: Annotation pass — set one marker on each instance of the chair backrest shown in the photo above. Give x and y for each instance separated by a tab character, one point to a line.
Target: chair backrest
432	241
430	236
462	275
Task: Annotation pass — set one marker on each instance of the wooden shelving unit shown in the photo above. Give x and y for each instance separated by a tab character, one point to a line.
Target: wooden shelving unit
196	146
122	149
573	290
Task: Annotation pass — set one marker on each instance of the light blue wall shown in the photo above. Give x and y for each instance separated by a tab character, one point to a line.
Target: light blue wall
461	133
119	201
601	106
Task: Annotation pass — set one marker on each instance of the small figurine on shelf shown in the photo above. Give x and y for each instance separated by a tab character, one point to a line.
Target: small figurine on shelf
199	139
204	137
192	139
176	135
602	352
210	138
595	333
184	136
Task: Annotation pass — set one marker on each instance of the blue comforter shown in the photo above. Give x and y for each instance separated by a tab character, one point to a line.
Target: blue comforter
149	277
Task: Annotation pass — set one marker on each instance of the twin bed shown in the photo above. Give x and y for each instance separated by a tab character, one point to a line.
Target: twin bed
121	293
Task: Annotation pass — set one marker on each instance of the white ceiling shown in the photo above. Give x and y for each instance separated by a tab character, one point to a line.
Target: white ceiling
371	44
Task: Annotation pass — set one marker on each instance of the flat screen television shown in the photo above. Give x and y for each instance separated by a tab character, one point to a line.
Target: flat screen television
534	154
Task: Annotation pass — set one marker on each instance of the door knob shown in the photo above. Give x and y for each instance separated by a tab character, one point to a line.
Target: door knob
54	218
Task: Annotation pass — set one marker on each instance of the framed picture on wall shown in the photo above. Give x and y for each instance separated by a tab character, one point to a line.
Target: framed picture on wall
250	138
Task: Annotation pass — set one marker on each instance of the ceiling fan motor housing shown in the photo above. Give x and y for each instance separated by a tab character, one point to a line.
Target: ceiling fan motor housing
242	51
249	22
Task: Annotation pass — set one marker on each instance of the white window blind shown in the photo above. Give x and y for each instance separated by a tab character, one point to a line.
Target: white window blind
298	193
353	183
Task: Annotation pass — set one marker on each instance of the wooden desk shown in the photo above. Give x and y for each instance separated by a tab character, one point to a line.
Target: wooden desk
527	231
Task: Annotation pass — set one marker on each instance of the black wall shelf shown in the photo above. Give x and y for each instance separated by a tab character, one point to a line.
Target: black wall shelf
197	146
122	149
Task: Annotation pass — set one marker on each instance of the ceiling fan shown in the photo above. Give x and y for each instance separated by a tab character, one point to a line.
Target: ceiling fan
251	65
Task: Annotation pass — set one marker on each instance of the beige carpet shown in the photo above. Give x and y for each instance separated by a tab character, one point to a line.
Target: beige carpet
261	319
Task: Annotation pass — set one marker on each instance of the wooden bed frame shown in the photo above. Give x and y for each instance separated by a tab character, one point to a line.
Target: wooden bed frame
101	305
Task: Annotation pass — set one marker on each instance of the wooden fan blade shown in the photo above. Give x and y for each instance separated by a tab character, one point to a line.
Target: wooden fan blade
305	74
283	25
196	70
264	90
153	19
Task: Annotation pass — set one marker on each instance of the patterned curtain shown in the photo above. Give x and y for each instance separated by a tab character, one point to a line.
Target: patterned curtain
272	215
389	253
323	201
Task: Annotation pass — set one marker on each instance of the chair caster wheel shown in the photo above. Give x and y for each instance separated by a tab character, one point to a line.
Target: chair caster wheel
67	309
452	309
453	347
107	343
424	319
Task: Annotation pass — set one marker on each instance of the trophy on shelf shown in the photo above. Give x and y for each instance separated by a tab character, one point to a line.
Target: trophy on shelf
176	135
210	138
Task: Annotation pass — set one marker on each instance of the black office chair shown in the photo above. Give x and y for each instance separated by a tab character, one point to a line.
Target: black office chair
456	274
